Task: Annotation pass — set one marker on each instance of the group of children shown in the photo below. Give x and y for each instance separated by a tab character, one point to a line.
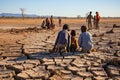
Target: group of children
69	43
96	20
48	23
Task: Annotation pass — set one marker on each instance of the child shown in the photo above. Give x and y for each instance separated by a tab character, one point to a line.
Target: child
97	20
43	25
63	40
85	40
74	43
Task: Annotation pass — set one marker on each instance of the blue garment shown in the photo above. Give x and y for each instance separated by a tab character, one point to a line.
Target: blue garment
63	38
85	41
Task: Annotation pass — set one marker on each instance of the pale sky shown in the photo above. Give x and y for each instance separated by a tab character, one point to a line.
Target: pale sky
69	8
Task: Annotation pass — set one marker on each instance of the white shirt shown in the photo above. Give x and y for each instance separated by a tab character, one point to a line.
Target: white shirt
85	41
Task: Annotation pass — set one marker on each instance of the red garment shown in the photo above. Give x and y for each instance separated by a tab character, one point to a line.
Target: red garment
97	17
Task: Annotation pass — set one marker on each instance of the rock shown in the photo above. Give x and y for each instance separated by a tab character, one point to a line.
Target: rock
47	60
11	63
11	54
99	73
16	68
39	68
79	65
77	78
73	69
113	71
49	63
66	77
62	64
55	77
67	61
85	74
30	74
100	78
22	76
58	59
53	67
65	72
95	69
6	74
28	66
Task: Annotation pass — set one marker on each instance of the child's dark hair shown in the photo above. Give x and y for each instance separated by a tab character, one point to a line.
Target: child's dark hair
73	33
65	27
83	28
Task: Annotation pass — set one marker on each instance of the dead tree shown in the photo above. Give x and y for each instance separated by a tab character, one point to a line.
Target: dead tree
22	12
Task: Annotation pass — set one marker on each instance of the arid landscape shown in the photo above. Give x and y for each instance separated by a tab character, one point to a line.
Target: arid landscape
25	51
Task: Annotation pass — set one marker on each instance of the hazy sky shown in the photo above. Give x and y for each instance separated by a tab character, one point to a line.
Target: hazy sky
62	7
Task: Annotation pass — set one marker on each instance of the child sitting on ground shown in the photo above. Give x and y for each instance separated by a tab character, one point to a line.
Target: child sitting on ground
63	40
43	25
74	42
85	40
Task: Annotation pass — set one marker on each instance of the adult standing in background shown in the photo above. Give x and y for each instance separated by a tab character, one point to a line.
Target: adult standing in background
52	25
60	22
89	20
97	20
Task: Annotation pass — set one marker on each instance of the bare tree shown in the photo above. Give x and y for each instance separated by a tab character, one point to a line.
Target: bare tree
22	12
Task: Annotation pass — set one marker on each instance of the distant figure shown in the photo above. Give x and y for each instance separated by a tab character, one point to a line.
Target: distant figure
60	22
94	21
74	42
97	20
63	40
51	19
85	40
43	25
47	23
89	20
52	25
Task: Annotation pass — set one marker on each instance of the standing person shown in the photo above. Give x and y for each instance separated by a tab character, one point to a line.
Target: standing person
94	21
89	20
63	39
51	19
60	22
97	20
85	40
74	41
52	25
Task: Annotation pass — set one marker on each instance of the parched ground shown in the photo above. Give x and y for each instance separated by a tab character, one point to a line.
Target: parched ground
25	52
